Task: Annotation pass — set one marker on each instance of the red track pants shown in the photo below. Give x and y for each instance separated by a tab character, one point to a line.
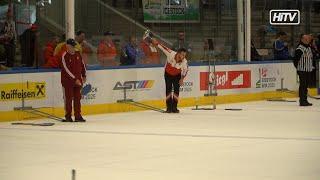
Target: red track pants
72	93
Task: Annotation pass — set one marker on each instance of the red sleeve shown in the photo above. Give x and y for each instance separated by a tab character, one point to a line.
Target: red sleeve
101	52
48	53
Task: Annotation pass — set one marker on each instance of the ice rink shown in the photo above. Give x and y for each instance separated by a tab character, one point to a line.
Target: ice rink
264	141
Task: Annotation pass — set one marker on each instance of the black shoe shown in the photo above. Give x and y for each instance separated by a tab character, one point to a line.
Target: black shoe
168	111
80	119
309	104
305	104
67	119
176	111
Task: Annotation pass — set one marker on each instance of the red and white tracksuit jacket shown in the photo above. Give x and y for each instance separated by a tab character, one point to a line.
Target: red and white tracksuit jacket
172	67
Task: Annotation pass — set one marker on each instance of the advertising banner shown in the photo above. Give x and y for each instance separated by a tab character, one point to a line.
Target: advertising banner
226	79
173	11
18	91
142	84
267	76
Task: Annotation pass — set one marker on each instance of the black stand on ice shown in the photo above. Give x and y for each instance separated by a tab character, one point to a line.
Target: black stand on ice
31	110
282	90
212	90
73	174
135	103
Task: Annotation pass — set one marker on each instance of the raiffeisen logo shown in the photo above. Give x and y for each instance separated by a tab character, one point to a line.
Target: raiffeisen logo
284	17
134	85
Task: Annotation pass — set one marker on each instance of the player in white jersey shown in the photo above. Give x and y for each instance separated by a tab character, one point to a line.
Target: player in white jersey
176	69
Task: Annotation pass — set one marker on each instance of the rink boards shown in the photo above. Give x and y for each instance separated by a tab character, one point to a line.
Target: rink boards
239	82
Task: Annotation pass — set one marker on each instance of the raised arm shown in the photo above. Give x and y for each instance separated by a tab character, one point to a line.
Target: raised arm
167	51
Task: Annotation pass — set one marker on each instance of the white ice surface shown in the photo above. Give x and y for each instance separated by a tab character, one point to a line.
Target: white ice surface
264	141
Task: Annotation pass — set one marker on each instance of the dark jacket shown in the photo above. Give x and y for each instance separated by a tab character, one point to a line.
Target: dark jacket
130	55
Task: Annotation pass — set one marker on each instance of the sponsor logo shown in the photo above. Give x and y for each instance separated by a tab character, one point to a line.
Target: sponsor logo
284	17
267	79
174	7
89	92
226	79
18	91
134	85
186	87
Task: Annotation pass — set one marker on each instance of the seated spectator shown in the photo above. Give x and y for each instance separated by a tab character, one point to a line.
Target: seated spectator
107	51
255	56
280	47
8	40
314	48
208	49
29	46
86	52
152	55
181	43
51	61
131	54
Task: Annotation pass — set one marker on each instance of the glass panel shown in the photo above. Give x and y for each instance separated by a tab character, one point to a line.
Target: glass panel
204	27
265	36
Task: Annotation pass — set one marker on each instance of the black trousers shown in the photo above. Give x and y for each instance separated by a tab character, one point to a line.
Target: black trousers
304	79
172	82
27	44
10	50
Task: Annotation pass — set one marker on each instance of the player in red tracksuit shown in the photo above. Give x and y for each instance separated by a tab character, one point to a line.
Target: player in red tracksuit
176	69
73	75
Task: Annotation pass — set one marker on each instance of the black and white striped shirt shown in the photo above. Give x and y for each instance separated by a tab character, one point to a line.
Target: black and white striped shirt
303	58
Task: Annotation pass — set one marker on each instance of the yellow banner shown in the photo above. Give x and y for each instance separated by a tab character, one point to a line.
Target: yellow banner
19	91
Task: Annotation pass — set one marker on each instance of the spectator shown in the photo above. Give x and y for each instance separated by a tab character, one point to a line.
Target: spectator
28	45
181	43
86	52
62	48
131	54
208	49
280	47
8	39
152	55
255	56
51	61
314	48
107	51
80	38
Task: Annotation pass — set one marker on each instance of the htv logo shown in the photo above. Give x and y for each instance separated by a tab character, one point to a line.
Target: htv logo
284	17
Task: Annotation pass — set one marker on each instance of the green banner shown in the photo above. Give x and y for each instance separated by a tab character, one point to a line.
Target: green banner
171	11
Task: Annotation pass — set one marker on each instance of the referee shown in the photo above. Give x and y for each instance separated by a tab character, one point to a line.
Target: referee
303	62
